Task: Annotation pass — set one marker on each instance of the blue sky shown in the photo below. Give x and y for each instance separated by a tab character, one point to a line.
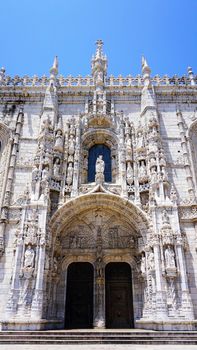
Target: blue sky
32	32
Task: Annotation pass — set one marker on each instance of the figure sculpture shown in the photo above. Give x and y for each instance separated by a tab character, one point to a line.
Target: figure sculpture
58	141
170	258
69	174
29	257
56	167
100	167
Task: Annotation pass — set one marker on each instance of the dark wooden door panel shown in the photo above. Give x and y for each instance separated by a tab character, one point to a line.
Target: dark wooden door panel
119	311
79	298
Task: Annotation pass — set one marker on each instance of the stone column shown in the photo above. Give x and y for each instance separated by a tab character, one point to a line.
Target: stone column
161	305
11	308
187	166
74	192
99	301
122	159
187	307
37	303
161	301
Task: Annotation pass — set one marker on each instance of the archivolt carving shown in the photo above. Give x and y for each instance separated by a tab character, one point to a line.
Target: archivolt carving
121	223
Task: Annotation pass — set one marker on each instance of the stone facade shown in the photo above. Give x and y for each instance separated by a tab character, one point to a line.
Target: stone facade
52	216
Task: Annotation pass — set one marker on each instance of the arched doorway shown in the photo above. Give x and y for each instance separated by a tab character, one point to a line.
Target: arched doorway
79	296
118	291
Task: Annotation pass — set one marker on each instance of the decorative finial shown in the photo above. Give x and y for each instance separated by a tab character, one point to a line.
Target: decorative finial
146	72
99	49
145	67
191	75
54	68
99	65
2	74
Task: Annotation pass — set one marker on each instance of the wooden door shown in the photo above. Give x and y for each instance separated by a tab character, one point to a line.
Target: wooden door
79	297
119	305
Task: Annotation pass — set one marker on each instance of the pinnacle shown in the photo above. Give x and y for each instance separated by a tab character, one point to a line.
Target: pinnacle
54	68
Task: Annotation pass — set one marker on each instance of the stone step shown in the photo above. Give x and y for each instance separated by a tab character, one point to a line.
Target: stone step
95	337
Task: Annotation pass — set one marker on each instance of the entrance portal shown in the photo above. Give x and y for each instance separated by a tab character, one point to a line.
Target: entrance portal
119	305
79	297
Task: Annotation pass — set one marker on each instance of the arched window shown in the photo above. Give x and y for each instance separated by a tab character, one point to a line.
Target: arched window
94	152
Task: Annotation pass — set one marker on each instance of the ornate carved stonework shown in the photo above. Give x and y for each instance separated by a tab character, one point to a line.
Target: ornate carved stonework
98	170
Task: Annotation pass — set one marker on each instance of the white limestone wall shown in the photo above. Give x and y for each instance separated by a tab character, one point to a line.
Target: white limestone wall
191	261
6	267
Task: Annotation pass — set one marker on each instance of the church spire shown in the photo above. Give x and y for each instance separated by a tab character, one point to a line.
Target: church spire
99	65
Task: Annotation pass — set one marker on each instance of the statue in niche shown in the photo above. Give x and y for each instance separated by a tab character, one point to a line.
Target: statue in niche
142	174
165	218
72	127
100	167
170	257
99	267
154	177
151	261
71	148
140	140
130	175
36	175
128	146
45	173
56	167
143	264
69	177
58	141
99	77
46	126
29	257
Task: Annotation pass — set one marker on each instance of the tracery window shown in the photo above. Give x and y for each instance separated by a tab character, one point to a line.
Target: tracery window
94	152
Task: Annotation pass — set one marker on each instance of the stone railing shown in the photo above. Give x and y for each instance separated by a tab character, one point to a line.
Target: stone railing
88	81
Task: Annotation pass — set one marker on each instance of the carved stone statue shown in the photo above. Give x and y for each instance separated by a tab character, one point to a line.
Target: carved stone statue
165	218
143	265
35	173
58	141
71	148
140	140
100	167
45	173
151	261
142	174
130	177
69	177
99	267
56	167
170	258
128	147
29	257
